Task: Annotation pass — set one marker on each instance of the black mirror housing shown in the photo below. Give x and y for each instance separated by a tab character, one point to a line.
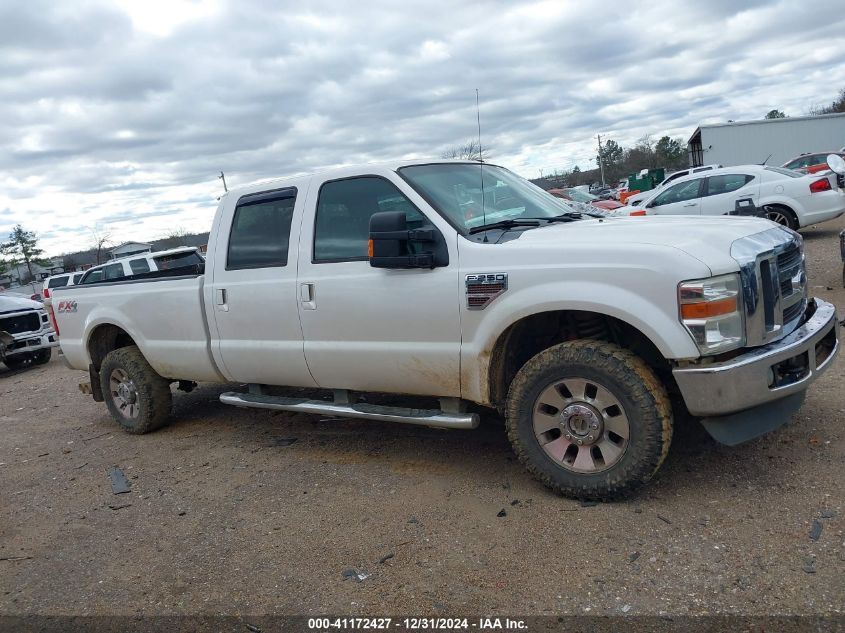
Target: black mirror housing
391	240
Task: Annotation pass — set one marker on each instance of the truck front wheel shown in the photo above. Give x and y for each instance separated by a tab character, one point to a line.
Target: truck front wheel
589	419
136	396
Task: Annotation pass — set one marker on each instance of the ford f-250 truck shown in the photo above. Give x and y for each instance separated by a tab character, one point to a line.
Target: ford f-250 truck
465	283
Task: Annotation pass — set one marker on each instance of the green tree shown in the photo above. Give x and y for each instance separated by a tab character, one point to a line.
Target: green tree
670	152
837	106
775	114
22	246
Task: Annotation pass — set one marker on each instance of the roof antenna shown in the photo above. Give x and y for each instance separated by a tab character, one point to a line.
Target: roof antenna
767	159
481	163
222	177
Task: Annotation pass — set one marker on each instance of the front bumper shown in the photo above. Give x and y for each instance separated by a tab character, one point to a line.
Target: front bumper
764	374
32	342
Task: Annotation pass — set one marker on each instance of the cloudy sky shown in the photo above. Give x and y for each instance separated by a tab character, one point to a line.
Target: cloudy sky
117	116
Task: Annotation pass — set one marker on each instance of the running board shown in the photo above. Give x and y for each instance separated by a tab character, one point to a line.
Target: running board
422	417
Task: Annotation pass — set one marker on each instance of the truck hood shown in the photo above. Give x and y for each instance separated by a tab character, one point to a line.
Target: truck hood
707	239
17	304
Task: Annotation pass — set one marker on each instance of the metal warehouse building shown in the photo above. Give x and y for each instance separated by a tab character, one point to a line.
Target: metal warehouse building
752	142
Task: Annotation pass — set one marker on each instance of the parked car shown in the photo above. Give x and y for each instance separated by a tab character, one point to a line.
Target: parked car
26	334
57	281
575	328
811	163
787	197
577	195
621	187
637	198
144	263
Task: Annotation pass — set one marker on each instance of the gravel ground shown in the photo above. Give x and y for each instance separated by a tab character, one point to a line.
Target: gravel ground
227	516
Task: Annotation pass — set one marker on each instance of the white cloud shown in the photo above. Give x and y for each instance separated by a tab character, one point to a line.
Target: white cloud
122	114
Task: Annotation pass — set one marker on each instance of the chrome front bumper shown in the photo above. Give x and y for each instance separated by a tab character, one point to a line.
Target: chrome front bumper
764	374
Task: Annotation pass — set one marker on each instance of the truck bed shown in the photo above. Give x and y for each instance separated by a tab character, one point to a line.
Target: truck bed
165	316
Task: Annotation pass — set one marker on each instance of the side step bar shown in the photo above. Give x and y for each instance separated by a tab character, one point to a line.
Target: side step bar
422	417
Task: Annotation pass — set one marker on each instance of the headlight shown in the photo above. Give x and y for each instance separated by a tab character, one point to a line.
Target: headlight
711	311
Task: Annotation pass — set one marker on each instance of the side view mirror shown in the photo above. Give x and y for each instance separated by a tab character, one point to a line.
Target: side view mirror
836	163
393	245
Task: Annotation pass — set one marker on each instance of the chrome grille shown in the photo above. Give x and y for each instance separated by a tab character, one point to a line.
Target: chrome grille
774	283
793	282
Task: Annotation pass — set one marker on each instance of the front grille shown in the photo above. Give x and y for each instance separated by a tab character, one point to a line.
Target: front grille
774	284
21	323
792	282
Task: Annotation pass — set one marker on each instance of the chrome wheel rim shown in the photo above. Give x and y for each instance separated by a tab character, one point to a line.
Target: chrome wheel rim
581	425
124	394
777	216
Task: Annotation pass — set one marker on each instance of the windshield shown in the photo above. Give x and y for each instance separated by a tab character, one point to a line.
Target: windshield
455	190
580	196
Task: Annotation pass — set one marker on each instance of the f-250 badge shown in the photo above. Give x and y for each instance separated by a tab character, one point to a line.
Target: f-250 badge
483	288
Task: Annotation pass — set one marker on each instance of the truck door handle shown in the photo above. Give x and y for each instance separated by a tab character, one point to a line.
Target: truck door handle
307	296
220	299
690	204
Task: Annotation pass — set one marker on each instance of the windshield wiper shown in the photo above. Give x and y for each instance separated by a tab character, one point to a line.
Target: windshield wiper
506	224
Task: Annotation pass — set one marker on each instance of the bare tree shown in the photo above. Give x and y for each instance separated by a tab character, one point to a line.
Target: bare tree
469	150
69	262
101	241
175	237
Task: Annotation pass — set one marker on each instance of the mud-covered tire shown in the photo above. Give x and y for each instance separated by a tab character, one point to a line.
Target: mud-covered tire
147	394
640	395
42	356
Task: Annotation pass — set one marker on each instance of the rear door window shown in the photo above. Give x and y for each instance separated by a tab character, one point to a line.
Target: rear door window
58	282
260	231
726	183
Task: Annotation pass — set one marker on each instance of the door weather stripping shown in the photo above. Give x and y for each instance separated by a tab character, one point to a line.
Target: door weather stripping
421	417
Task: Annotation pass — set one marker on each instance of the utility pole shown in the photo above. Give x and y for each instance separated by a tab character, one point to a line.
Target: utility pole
601	162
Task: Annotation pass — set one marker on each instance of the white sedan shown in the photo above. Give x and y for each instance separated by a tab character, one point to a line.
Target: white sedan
789	198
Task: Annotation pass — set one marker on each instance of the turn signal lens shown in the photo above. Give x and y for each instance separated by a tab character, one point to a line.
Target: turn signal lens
707	309
640	212
369	248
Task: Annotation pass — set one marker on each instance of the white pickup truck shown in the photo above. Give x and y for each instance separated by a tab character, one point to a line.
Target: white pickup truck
465	283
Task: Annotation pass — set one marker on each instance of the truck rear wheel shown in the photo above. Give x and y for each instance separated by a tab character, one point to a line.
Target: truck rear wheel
589	419
137	397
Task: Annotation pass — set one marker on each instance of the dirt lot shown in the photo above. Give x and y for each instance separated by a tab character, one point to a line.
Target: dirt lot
227	516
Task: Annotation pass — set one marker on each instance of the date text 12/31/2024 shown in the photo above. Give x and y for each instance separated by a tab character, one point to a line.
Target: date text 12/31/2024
415	624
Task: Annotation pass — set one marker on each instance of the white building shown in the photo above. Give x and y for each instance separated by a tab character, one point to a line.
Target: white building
778	140
130	248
